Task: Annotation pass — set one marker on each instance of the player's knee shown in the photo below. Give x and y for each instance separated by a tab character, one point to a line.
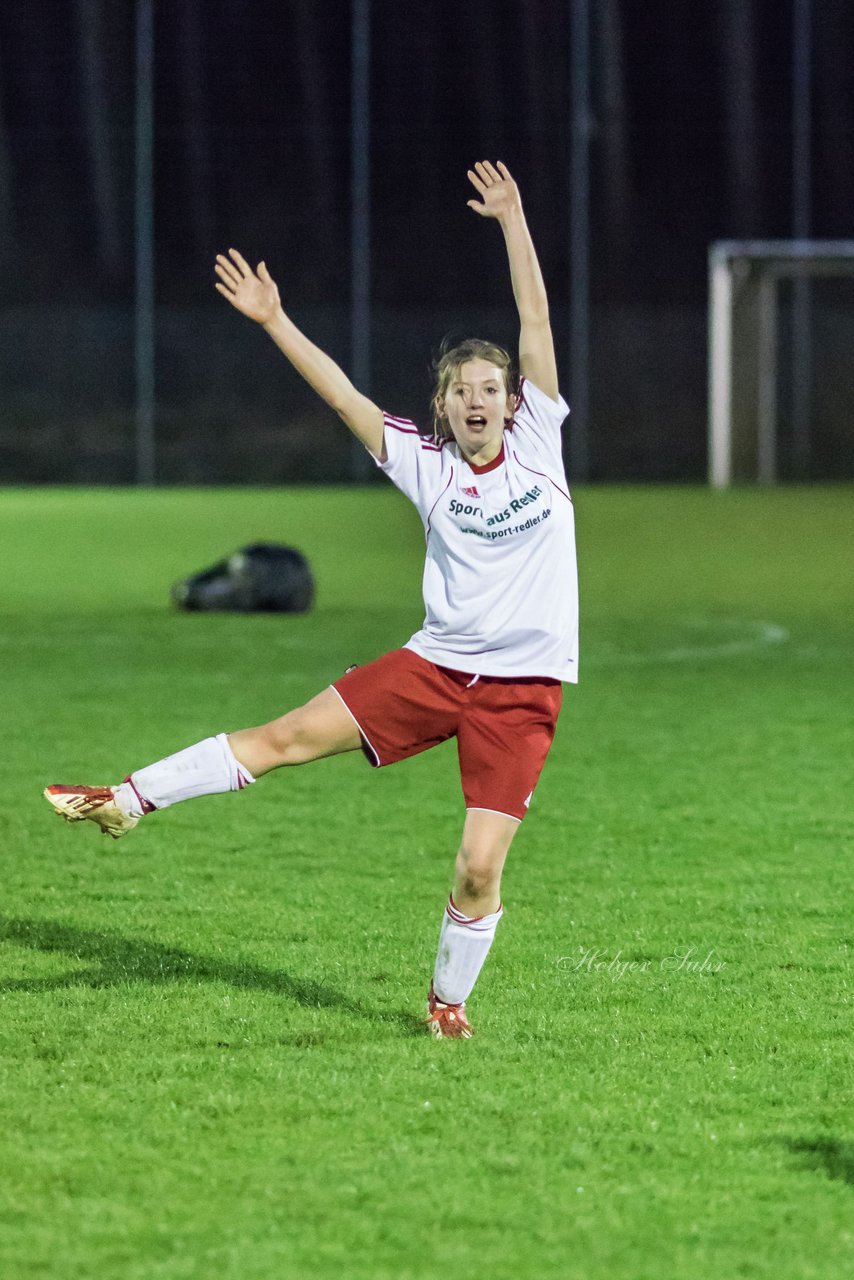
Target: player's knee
478	871
290	737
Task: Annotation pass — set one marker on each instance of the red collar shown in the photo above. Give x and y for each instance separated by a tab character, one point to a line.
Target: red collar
489	466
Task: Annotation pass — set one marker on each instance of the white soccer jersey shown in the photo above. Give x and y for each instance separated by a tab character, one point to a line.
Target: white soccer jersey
500	581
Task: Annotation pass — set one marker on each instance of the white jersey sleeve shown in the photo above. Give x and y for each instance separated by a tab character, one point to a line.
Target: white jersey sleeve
538	421
414	463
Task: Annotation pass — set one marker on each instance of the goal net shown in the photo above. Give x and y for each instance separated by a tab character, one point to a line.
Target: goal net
760	293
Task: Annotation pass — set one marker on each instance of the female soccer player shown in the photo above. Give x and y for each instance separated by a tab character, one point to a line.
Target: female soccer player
500	590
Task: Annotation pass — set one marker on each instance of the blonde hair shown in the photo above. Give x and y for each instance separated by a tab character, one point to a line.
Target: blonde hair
447	367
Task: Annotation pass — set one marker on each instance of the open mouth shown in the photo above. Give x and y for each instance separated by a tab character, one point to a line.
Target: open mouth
475	420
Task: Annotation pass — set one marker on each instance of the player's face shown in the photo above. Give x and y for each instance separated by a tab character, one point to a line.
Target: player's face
477	406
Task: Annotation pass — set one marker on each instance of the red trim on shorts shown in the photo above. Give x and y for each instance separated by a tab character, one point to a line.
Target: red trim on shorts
367	745
404	704
502	813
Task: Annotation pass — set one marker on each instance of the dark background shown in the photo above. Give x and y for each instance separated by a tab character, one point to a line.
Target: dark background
691	142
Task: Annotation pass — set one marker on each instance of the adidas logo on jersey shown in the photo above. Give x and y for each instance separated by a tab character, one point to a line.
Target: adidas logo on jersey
472	492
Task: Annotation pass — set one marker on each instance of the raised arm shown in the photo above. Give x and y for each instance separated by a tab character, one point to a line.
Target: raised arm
499	198
254	294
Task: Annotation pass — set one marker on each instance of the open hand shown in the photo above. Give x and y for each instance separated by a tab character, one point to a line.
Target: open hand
254	294
498	192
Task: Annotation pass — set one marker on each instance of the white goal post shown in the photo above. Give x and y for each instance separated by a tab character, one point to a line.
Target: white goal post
736	266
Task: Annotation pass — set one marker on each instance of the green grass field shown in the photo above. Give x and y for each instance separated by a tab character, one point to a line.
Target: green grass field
209	1043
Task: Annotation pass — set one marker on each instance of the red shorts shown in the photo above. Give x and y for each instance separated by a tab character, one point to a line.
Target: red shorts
504	727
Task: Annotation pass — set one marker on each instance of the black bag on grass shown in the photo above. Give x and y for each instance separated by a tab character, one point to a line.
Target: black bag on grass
262	578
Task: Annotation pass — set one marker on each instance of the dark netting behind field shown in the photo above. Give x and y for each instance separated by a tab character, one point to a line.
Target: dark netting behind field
690	142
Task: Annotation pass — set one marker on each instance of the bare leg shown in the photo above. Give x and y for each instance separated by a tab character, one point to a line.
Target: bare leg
487	837
322	727
470	919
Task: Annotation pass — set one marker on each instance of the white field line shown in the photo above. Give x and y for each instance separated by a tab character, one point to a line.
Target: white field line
755	637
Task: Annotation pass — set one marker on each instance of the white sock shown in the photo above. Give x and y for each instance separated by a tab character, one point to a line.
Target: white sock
205	769
464	943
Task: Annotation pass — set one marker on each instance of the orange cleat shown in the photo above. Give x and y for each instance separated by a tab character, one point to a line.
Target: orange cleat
98	804
447	1021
